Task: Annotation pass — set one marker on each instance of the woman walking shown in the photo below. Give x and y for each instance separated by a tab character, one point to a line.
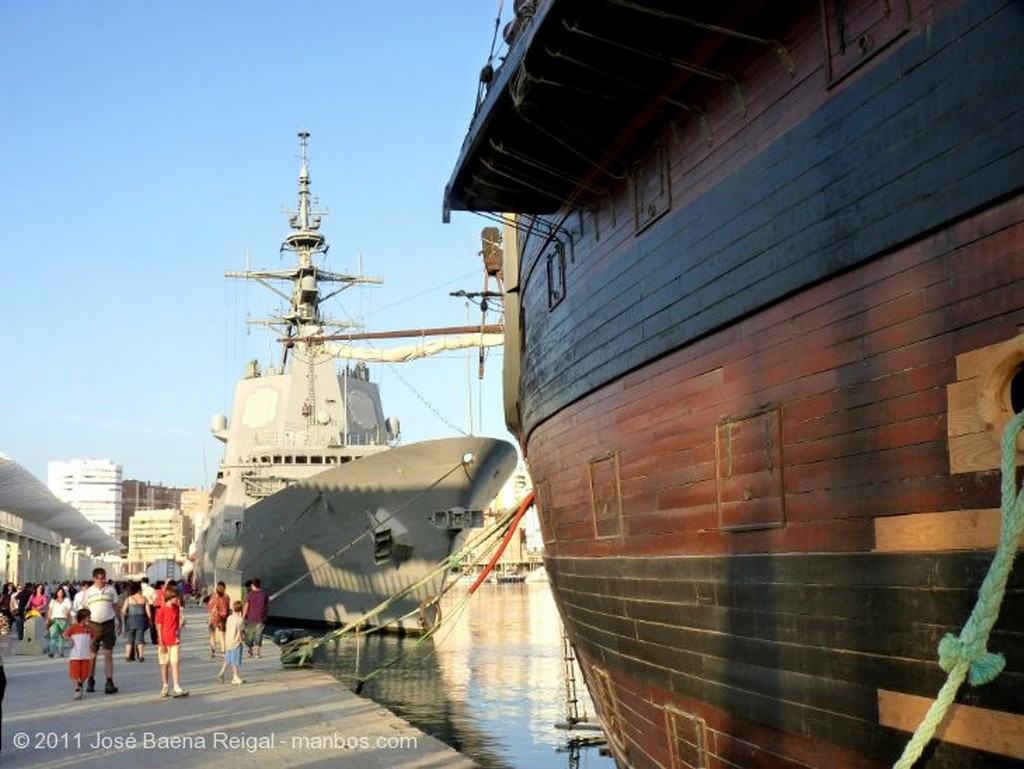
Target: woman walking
58	616
137	619
219	606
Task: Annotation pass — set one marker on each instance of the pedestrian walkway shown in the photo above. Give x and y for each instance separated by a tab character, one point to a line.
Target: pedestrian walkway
281	717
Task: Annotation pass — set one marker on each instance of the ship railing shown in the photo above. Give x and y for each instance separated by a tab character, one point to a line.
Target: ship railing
267	439
372	438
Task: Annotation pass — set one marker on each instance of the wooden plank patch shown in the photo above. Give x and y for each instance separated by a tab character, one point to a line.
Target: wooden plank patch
950	530
990	730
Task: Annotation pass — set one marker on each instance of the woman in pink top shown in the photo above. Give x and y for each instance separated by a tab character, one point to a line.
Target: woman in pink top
39	600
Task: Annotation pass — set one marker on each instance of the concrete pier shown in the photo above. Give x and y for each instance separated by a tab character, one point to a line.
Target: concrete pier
281	717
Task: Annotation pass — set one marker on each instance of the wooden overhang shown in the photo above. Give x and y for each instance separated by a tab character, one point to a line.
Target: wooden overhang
579	86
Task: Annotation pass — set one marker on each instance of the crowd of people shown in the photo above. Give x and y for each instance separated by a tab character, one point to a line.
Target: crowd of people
85	620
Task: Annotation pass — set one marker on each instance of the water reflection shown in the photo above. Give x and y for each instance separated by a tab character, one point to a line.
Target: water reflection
491	683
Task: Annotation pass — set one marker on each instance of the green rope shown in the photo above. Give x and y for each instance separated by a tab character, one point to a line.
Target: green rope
300	651
966	656
496	533
352	543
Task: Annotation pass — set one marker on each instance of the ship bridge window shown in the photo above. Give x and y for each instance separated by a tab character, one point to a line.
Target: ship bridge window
301	460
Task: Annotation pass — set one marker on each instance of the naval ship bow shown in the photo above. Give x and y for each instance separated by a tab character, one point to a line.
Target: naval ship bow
315	495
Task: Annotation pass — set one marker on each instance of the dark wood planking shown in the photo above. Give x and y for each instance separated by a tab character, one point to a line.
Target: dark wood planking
887	303
733	291
891	401
730	635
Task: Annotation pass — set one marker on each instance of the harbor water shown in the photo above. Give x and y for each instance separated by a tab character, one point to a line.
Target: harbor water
491	683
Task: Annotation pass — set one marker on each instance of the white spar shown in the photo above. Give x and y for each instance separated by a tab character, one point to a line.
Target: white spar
413	352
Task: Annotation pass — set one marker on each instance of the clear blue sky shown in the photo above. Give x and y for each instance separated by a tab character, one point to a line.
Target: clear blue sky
145	146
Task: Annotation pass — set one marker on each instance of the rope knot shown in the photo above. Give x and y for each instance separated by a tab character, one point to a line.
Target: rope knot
960	658
984	665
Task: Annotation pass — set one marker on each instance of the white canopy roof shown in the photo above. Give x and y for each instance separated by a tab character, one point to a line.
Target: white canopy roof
23	495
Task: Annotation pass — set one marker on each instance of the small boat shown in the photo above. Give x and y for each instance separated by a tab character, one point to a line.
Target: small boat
514	578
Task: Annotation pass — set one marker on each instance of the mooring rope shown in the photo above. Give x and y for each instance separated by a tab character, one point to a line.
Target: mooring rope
300	651
966	656
321	497
506	527
509	523
523	507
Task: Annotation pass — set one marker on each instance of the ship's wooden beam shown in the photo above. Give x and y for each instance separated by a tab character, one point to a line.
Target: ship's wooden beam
929	532
994	731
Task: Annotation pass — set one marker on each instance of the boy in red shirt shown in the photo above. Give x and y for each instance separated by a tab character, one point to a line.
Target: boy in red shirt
168	623
80	634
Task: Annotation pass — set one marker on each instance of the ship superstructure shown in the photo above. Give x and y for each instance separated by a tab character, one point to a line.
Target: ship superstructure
314	495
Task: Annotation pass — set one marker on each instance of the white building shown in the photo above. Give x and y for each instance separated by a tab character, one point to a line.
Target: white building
93	487
156	534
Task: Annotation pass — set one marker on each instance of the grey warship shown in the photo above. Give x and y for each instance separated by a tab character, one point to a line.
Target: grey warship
315	495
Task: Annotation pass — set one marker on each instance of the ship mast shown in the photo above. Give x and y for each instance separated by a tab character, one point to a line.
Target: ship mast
304	241
302	322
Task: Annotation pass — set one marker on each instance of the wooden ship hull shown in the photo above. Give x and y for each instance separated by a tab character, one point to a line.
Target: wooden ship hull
765	302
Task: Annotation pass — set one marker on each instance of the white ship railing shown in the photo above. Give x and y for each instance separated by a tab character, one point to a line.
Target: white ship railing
265	440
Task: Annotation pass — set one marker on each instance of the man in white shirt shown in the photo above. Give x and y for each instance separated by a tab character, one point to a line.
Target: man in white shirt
78	602
102	602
